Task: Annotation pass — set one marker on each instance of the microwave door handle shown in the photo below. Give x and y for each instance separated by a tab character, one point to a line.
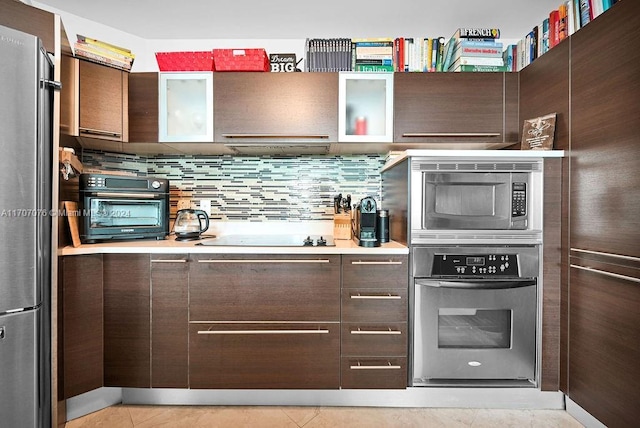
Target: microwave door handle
478	285
126	195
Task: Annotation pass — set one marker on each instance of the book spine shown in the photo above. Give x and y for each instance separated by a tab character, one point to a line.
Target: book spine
375	61
102	52
477	61
477	33
105	45
553	28
471	51
482	68
103	60
373	67
545	35
562	22
585	12
471	43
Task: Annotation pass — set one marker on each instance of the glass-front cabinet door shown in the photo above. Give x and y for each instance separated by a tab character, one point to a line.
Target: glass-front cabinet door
365	107
185	107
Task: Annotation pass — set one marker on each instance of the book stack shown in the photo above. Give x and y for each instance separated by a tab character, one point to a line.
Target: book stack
103	53
372	54
418	54
474	49
328	55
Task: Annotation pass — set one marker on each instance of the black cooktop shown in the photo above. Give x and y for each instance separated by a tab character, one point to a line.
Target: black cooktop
271	241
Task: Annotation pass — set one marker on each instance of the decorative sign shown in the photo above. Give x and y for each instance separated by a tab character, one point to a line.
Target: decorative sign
283	63
537	134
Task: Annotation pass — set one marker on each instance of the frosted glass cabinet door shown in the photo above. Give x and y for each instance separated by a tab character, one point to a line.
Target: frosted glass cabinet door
185	107
365	107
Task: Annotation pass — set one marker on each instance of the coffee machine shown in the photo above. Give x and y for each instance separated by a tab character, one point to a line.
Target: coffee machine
365	223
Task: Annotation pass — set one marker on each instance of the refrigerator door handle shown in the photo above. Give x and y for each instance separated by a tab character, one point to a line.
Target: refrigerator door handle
53	84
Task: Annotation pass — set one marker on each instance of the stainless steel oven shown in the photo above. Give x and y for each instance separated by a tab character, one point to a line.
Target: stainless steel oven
115	207
474	315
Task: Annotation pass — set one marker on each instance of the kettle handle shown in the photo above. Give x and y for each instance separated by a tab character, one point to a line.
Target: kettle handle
202	214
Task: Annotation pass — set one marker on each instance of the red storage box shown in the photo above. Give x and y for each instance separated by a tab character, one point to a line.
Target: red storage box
185	61
241	60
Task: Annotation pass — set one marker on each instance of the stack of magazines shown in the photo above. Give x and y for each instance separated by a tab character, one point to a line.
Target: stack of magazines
104	53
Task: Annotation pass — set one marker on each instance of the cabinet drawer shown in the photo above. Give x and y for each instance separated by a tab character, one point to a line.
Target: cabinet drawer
264	355
374	340
374	272
373	373
272	288
374	305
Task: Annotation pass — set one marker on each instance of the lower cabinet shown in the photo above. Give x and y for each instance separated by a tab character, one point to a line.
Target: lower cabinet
127	328
264	321
374	322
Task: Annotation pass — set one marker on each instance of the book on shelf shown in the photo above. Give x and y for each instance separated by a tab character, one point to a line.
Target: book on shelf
508	57
481	68
103	60
476	60
585	12
105	45
490	51
373	67
477	33
81	46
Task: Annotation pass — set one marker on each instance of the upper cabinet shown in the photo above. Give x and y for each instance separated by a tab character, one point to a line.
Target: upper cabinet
285	108
143	107
94	100
456	108
366	108
185	107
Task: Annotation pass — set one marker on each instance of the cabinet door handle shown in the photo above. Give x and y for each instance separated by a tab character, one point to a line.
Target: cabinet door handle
389	366
287	136
317	331
265	261
100	132
168	261
604	272
451	134
377	332
364	262
376	296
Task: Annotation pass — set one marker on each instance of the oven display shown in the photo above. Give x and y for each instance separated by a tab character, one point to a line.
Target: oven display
475	261
475	265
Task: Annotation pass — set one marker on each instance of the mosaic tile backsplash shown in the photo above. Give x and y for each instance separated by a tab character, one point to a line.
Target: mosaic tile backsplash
261	188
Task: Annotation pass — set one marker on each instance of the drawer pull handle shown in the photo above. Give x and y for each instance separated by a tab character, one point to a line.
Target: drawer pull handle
376	297
318	331
389	262
451	134
287	136
266	261
376	332
99	132
604	272
389	366
168	261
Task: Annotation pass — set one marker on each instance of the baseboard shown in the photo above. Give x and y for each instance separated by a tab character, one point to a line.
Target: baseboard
581	415
92	401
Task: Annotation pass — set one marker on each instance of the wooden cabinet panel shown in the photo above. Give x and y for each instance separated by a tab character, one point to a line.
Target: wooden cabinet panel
82	332
31	20
127	329
265	287
604	133
374	305
289	107
265	355
373	373
143	107
604	347
169	321
375	271
436	103
103	108
374	339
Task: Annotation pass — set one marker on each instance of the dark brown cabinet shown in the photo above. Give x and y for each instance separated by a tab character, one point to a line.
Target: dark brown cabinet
81	311
264	321
143	107
456	108
94	101
374	342
603	294
127	328
169	321
275	107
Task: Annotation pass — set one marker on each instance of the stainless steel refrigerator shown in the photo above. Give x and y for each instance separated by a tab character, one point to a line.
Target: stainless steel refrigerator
25	230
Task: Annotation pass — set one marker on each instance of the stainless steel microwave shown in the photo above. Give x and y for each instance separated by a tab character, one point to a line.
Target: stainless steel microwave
473	196
116	207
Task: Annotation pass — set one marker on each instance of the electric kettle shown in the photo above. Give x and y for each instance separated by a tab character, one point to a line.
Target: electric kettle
188	225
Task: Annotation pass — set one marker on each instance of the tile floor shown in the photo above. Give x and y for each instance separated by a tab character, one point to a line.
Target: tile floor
125	416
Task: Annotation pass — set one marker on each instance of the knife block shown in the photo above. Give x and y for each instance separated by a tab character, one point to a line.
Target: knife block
342	226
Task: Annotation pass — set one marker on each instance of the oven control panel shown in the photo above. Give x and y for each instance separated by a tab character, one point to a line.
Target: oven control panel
475	265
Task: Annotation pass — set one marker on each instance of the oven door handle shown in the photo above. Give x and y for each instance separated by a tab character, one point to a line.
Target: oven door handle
478	285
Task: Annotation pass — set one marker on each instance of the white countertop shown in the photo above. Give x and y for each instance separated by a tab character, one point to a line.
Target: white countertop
171	246
474	154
